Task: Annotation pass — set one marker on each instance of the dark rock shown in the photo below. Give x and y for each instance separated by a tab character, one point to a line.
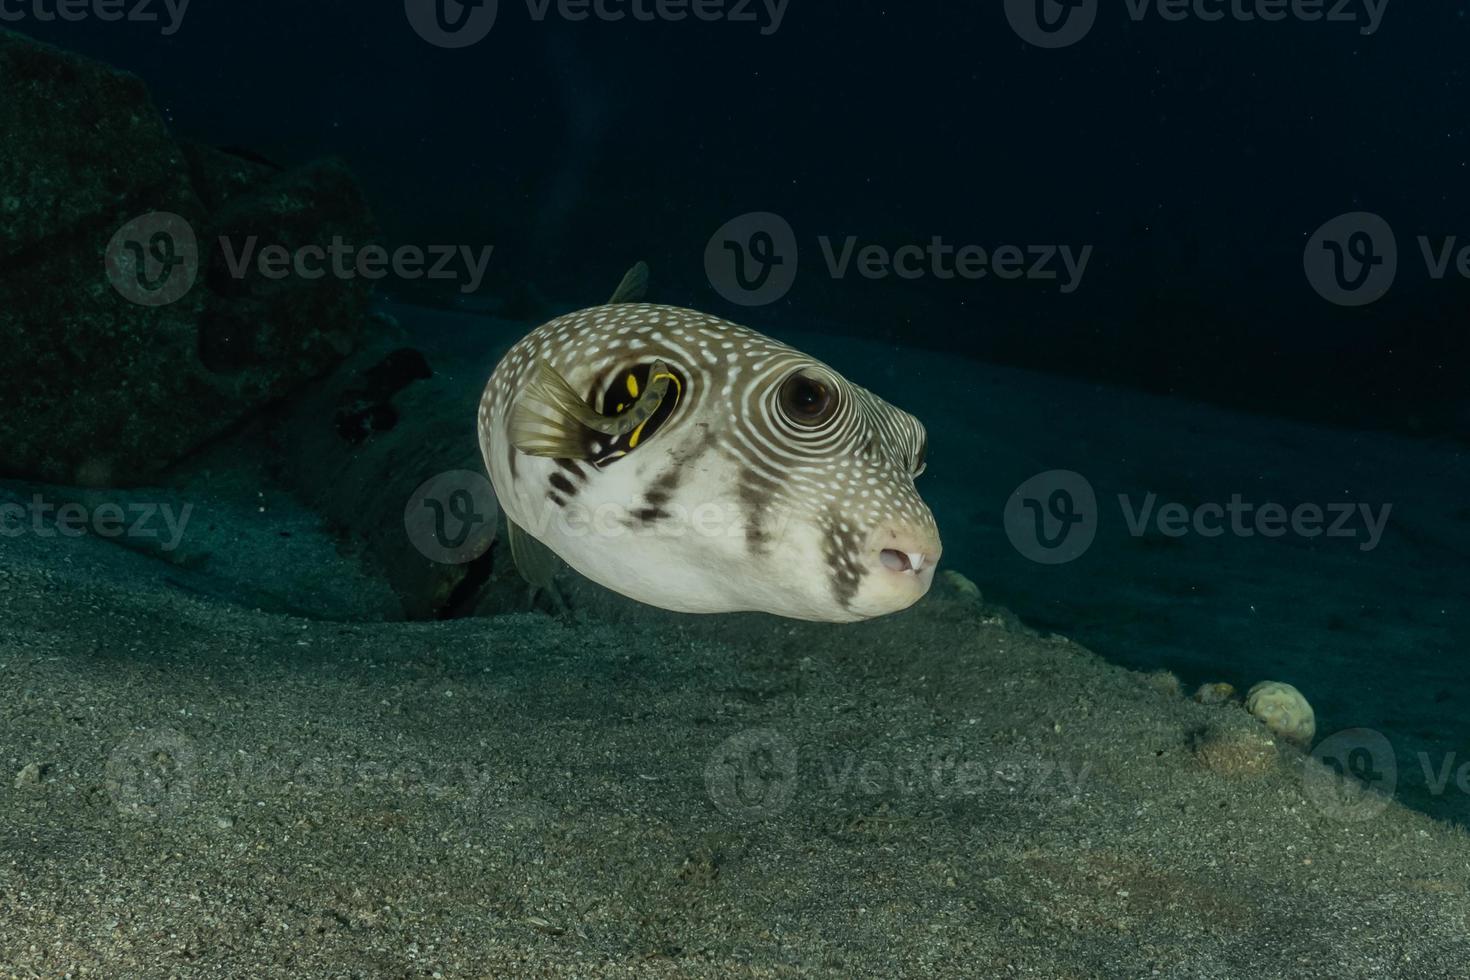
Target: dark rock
362	447
102	389
82	143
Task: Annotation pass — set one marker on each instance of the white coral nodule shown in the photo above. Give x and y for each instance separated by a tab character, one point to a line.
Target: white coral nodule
1284	710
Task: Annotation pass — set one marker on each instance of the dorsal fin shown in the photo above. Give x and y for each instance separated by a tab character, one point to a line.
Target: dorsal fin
633	287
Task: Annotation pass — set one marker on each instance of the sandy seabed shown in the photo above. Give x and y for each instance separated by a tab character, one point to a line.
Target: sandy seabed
199	789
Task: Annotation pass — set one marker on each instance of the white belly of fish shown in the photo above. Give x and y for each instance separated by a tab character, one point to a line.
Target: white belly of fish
597	531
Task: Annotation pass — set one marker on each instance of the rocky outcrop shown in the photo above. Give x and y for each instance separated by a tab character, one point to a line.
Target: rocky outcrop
386	449
132	336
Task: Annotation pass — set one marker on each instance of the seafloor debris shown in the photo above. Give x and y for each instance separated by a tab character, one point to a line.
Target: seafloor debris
1216	692
1235	752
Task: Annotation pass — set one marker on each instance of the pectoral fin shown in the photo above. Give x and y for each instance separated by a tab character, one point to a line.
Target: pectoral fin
551	420
536	562
547	417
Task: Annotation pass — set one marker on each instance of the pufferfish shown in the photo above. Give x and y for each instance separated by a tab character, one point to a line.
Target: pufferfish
699	466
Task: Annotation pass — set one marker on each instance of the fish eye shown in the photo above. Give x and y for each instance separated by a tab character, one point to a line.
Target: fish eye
807	401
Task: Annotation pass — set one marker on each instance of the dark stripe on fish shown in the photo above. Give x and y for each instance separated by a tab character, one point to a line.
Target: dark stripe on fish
841	550
755	492
563	484
664	485
572	467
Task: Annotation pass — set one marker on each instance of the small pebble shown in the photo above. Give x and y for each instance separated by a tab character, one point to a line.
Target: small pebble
30	776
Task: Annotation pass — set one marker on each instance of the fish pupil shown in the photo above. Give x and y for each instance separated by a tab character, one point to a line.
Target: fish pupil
806	400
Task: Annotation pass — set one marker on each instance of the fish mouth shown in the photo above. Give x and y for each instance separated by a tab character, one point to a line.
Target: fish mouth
907	562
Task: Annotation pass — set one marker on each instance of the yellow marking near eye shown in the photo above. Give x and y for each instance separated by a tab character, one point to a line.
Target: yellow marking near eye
678	391
632	386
